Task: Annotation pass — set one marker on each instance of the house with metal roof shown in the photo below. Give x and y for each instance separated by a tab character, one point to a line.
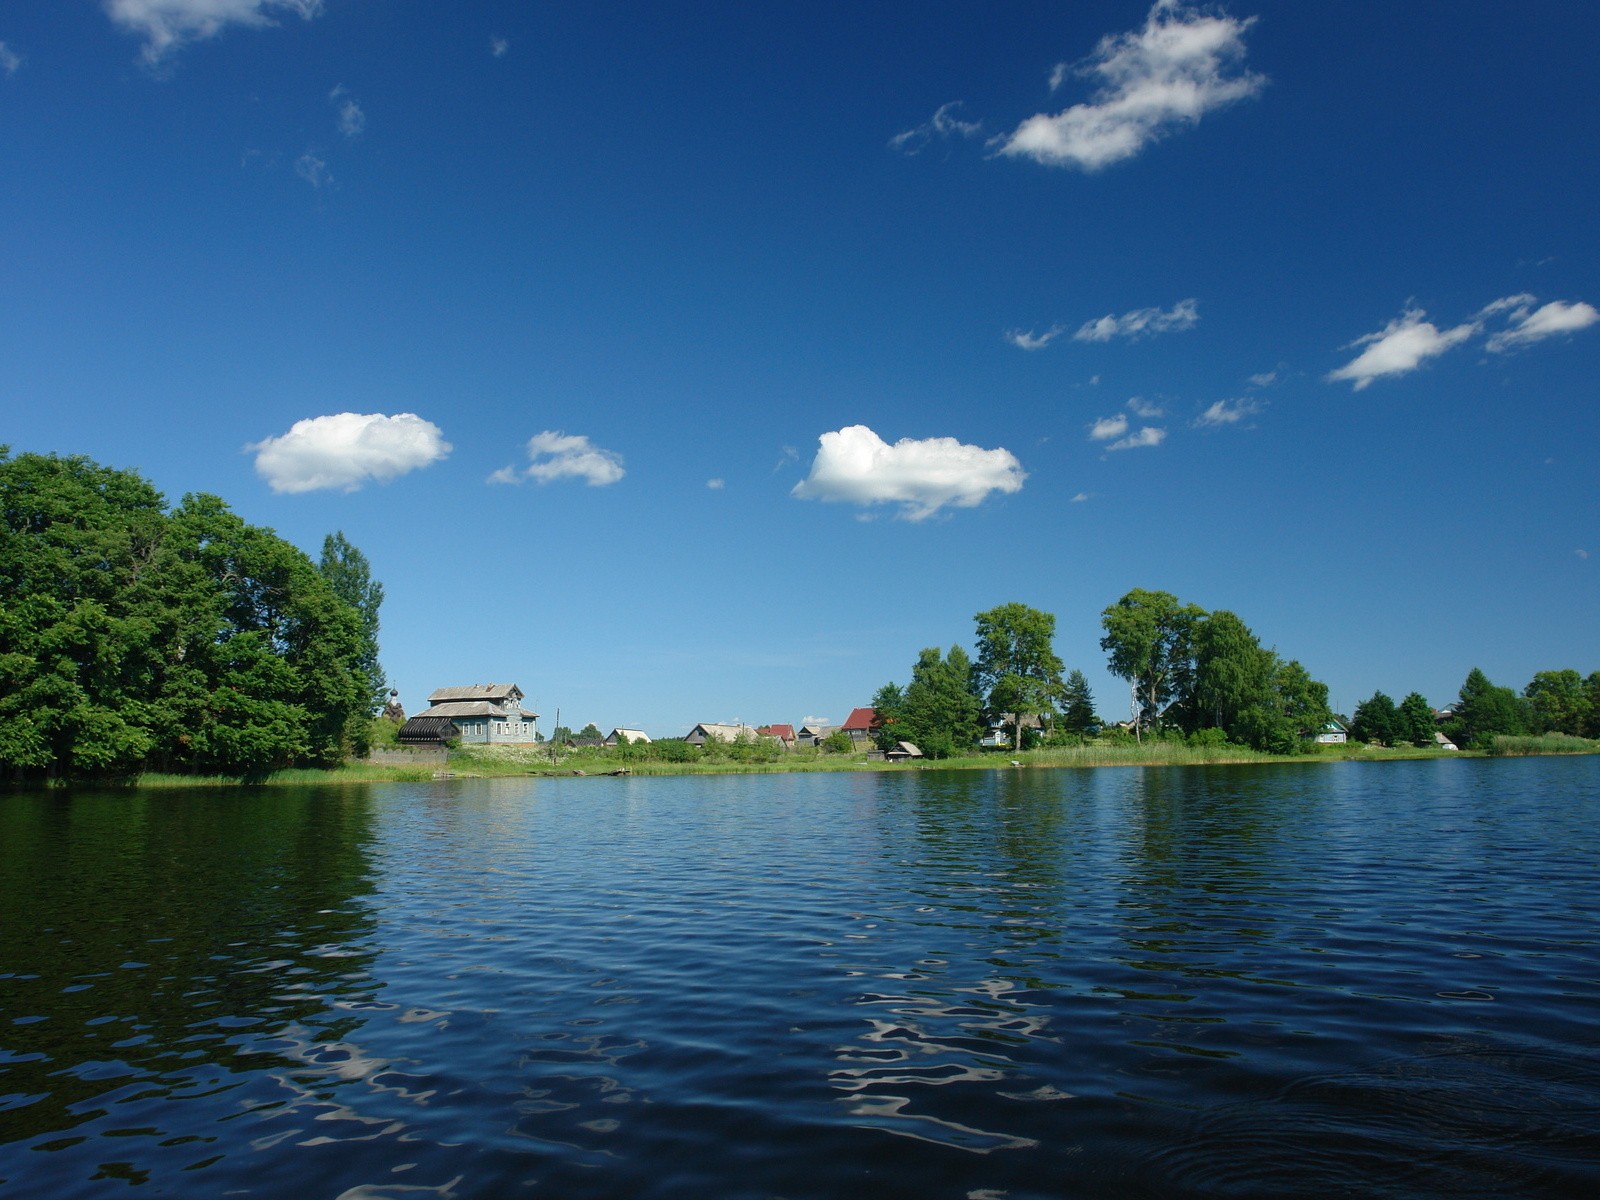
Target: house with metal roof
782	734
861	725
488	714
636	737
706	730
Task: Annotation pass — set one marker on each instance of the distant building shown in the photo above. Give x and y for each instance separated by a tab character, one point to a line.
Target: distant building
702	733
1334	733
783	734
813	734
635	737
902	751
488	714
860	725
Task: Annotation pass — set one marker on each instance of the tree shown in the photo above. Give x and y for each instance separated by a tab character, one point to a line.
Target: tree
1150	636
350	576
889	712
1017	671
1376	720
1558	703
1077	704
1414	722
1302	699
591	731
940	712
1591	693
1484	711
1232	673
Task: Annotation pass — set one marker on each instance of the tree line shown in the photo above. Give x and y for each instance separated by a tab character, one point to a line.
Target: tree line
1559	702
137	637
1204	675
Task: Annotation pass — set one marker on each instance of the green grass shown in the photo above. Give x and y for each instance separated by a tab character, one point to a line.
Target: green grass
1548	743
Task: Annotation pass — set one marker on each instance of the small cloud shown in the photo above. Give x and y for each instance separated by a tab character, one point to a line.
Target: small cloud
1028	340
168	25
1147	436
1401	346
1529	325
1581	553
1140	407
944	124
498	46
1184	63
1141	322
312	169
1106	428
1226	412
1094	381
10	60
716	485
352	121
1080	498
855	465
345	450
815	721
1265	379
786	456
554	456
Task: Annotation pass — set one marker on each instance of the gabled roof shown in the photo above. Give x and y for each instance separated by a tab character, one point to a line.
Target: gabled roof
816	730
784	733
633	735
478	708
728	733
495	693
860	718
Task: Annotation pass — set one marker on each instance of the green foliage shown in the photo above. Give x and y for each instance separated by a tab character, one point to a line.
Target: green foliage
132	638
1484	710
1414	720
939	712
590	731
1558	702
1376	719
1077	705
349	575
1150	639
889	724
1017	671
838	742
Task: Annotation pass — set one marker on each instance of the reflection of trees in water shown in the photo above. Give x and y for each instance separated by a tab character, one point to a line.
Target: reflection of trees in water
166	939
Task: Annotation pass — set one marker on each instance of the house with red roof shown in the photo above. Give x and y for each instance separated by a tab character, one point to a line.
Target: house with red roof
861	725
783	734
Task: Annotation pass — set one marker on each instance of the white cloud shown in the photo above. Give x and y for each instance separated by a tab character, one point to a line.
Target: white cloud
554	456
347	449
1147	436
922	476
1080	498
498	46
1226	412
1181	65
1141	322
942	125
352	121
10	60
1265	379
1531	325
1581	553
1140	407
1402	345
1106	428
167	25
1033	341
312	169
716	485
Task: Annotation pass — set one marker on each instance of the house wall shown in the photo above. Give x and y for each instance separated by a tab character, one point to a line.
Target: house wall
496	731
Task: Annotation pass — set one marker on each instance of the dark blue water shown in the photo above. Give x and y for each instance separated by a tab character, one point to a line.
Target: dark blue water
1309	980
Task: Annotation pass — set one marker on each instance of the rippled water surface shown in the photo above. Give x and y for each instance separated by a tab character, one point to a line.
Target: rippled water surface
1315	980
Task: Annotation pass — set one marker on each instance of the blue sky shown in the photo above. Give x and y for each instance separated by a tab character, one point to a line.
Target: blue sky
704	362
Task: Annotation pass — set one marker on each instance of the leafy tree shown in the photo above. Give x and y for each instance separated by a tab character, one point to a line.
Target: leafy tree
1376	720
1302	699
941	713
1150	638
838	742
1484	710
889	723
1558	703
1233	673
350	576
590	731
1017	670
560	734
1591	693
1414	720
1077	704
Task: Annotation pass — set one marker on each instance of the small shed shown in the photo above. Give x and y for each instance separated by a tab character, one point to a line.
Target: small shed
428	731
902	751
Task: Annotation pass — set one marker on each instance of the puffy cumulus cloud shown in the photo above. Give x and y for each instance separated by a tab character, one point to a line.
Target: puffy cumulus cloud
1184	63
1226	412
1401	346
1029	340
555	456
922	476
1146	436
944	124
347	449
716	485
1529	324
1141	322
167	25
1107	428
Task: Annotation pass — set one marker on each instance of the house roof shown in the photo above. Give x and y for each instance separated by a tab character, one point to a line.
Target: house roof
428	729
906	749
495	693
860	718
727	733
781	732
633	735
816	730
477	708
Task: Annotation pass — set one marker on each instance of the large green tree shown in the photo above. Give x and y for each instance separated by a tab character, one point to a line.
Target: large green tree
1017	671
349	574
1484	710
1415	721
1376	719
941	713
1150	639
1077	704
1558	703
1233	673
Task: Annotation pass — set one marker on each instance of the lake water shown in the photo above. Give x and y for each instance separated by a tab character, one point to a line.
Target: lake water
1300	980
